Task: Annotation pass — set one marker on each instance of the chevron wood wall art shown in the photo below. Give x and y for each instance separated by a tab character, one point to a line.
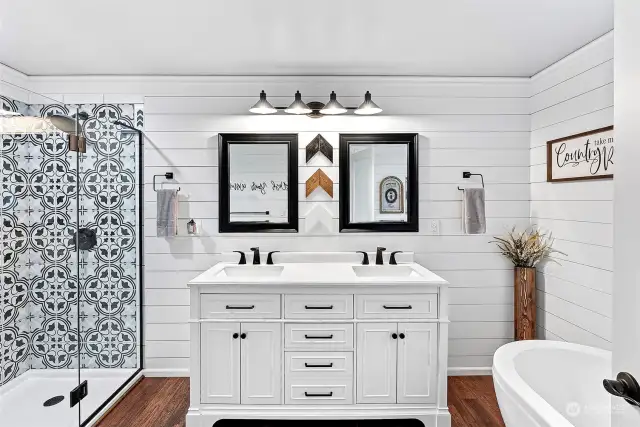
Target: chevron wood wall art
320	179
319	145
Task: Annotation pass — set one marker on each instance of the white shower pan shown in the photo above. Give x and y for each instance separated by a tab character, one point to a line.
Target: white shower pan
22	400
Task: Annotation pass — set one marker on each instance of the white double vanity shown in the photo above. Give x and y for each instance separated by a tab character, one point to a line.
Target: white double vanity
318	340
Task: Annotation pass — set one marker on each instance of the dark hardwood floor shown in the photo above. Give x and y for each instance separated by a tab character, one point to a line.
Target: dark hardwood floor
472	402
163	402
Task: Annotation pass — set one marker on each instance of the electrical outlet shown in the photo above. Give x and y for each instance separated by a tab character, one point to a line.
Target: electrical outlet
435	226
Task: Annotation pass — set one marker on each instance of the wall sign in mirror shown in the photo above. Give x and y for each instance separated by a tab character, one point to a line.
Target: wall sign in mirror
588	155
391	195
258	176
378	182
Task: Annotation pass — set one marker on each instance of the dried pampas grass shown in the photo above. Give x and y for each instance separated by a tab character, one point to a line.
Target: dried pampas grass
527	248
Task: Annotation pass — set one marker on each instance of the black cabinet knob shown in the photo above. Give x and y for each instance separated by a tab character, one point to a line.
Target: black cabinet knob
401	336
394	336
243	335
235	336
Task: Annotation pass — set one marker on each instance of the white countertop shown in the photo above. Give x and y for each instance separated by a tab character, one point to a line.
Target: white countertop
322	273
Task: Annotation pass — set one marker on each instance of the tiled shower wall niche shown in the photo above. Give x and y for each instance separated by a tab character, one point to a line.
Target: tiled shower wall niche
54	300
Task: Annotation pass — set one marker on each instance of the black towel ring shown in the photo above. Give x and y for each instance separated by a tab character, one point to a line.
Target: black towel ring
167	175
468	175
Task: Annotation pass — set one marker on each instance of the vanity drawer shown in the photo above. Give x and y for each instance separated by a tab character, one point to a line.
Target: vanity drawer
315	336
319	365
319	392
409	306
318	306
240	306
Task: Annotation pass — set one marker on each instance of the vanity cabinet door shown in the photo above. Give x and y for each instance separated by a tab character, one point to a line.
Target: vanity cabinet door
261	363
417	362
220	363
376	367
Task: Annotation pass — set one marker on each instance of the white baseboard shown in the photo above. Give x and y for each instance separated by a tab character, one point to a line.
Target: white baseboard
185	372
165	372
457	372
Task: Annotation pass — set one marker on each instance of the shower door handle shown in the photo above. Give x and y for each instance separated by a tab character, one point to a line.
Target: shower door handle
624	386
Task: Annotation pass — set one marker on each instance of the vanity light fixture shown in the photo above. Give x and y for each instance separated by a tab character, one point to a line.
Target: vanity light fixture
368	107
298	106
315	109
333	106
263	106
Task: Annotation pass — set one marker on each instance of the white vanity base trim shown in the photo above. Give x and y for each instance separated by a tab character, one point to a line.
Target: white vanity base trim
207	415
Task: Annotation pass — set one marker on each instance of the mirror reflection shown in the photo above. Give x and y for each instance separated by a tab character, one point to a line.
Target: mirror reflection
378	182
258	183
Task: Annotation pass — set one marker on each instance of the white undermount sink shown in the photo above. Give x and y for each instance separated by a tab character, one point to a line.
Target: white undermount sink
251	271
384	271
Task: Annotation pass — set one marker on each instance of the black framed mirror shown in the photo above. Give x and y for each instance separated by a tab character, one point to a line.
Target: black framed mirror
258	182
379	182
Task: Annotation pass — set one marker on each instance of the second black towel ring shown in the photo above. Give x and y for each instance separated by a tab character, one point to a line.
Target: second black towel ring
468	175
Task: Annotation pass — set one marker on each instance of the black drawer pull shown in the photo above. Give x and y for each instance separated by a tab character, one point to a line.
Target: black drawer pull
318	307
319	337
240	307
397	307
311	365
307	394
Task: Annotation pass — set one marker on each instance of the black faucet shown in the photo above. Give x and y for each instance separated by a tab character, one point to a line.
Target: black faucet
365	257
243	259
392	259
379	255
256	255
270	258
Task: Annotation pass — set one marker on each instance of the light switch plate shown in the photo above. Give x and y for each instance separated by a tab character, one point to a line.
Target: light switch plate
435	226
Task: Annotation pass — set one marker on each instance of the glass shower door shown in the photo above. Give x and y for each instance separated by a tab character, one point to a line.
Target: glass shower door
108	253
70	265
40	345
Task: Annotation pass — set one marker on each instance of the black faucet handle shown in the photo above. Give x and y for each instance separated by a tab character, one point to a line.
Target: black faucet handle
365	258
392	259
243	258
256	255
270	257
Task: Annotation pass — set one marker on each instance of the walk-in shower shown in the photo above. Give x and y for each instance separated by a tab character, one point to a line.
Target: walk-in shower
71	276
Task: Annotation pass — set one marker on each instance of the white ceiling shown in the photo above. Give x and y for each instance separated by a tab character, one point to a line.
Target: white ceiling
296	37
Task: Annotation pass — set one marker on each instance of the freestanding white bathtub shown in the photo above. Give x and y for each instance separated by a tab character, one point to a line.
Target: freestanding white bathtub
552	384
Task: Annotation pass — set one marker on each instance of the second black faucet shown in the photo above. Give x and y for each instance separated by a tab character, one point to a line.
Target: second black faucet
379	257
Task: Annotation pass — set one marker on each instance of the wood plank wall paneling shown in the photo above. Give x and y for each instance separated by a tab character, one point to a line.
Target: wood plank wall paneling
497	127
485	131
574	298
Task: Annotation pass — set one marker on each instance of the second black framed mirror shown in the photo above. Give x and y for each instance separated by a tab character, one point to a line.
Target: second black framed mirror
379	182
258	182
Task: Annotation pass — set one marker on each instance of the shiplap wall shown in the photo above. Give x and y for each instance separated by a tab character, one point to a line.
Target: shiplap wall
574	298
482	125
476	124
479	125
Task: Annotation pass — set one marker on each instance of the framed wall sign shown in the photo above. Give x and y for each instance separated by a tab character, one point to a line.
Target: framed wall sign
391	195
588	155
